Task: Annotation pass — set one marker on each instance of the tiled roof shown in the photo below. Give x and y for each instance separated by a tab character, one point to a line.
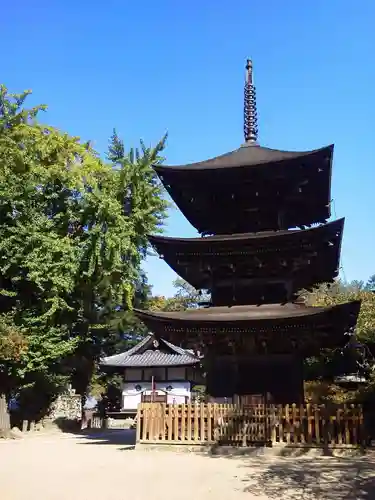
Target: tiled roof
144	354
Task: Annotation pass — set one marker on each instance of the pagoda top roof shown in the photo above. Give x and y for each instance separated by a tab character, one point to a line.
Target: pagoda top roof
251	313
252	188
248	155
151	352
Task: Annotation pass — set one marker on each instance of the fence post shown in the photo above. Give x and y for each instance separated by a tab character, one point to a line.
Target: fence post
138	420
4	414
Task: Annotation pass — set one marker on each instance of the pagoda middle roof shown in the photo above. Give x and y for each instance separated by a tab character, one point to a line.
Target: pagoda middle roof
333	226
248	154
309	256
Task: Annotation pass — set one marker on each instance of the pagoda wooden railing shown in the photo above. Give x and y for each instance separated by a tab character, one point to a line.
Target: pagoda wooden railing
227	424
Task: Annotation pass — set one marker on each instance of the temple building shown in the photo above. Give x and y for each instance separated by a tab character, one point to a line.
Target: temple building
263	218
154	370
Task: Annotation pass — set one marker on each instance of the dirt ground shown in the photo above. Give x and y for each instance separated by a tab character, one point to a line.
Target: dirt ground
107	467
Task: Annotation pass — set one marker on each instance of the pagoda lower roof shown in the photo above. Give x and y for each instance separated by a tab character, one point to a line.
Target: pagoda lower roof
269	328
249	154
250	314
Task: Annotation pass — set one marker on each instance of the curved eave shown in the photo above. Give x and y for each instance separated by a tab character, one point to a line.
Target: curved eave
252	315
170	363
246	155
268	237
186	256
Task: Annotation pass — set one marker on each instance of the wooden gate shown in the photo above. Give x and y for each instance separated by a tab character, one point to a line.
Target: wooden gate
244	426
203	423
249	425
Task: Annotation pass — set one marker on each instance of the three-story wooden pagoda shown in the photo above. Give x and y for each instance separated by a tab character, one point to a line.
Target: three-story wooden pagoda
262	214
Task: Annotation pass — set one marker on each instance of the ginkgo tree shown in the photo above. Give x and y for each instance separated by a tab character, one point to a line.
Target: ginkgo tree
73	234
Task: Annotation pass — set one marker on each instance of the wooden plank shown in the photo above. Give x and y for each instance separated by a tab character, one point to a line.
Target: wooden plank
163	428
354	420
202	410
139	425
317	424
189	424
273	423
196	423
175	422
152	422
339	426
287	423
294	426
145	423
303	423
310	418
362	430
347	429
170	422
209	410
183	423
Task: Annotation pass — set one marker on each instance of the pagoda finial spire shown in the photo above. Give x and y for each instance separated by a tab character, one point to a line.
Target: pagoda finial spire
250	106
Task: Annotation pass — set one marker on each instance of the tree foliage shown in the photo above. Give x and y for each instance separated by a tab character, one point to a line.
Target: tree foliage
340	292
331	363
185	297
73	234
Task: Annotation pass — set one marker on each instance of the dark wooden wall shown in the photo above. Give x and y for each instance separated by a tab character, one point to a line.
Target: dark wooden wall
279	376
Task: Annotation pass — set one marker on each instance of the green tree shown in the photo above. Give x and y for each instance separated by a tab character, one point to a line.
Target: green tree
73	234
338	293
336	362
185	297
370	285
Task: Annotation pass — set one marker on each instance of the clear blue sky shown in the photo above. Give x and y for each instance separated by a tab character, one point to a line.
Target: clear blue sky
151	66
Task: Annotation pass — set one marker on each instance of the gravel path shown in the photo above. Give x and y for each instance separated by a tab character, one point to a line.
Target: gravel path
105	467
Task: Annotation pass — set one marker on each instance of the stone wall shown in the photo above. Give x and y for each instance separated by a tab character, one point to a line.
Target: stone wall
66	406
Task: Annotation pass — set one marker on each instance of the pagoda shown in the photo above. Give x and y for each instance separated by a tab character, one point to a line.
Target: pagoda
262	214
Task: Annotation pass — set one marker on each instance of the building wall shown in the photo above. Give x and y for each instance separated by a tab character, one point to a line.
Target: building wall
133	374
176	373
178	391
160	374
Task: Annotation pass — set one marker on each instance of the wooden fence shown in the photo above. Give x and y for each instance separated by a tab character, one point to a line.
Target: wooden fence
226	424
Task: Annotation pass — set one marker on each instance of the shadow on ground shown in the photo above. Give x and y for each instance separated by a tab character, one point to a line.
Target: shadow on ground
117	437
292	478
303	474
90	436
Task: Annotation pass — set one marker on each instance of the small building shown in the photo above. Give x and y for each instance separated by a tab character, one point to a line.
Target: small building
155	370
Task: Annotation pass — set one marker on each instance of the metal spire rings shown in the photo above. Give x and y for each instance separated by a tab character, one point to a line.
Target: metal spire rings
250	107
